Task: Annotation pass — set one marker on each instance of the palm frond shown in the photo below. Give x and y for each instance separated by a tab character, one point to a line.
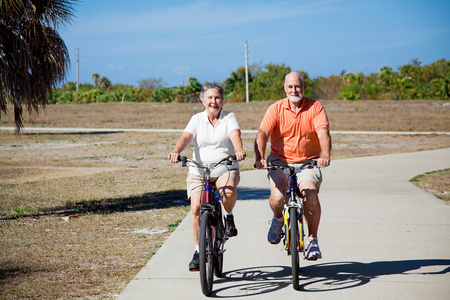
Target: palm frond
33	57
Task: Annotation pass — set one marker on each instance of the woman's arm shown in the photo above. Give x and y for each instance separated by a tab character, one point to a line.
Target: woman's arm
184	141
235	137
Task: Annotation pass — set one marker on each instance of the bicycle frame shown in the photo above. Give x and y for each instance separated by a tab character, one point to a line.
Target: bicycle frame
212	199
293	217
212	232
295	201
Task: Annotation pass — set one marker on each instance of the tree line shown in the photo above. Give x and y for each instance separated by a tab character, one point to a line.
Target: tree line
411	81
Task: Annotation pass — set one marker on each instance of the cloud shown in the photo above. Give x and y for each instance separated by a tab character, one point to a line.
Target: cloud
207	15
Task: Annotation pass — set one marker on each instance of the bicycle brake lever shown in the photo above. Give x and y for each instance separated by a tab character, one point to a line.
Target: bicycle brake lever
230	160
182	160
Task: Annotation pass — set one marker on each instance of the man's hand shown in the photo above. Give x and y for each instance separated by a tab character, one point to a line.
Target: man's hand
259	164
323	162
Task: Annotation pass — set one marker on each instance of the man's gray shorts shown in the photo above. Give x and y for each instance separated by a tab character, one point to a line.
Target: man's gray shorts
314	174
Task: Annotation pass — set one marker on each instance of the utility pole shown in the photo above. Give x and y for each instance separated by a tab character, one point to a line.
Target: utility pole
246	75
78	67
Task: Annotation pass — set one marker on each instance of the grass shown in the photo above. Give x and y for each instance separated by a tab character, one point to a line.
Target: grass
436	182
19	212
81	214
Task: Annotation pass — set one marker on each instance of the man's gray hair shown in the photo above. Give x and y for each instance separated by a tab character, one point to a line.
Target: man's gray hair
302	80
208	86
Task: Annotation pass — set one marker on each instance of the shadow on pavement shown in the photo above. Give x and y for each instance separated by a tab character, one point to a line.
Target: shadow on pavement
321	277
343	275
253	194
253	281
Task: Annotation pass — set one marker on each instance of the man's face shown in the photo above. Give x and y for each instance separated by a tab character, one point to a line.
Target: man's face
293	87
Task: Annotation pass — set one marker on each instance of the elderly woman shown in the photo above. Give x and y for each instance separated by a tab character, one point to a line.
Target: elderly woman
216	134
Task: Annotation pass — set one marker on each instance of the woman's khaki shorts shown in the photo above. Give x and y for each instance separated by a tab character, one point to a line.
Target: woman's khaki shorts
196	183
314	174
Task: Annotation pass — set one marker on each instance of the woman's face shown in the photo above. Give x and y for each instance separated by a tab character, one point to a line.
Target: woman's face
213	102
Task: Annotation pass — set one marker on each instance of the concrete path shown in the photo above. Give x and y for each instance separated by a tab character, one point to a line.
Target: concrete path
381	238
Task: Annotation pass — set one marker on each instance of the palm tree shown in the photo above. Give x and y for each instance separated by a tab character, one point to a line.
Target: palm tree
192	90
96	79
104	83
33	57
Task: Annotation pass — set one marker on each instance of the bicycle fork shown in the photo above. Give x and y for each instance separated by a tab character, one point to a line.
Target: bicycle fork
286	216
214	207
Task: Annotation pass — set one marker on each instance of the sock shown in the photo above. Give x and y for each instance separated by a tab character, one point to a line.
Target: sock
197	248
311	238
228	214
280	220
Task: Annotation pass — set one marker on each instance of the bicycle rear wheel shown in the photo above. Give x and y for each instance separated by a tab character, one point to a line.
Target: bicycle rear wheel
294	246
206	253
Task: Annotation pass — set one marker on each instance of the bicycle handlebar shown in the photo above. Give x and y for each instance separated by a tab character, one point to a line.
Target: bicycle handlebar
228	160
304	165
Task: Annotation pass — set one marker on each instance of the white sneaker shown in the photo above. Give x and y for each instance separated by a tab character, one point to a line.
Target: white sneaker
274	236
313	250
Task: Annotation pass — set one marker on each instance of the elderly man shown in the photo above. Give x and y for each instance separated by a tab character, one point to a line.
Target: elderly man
299	130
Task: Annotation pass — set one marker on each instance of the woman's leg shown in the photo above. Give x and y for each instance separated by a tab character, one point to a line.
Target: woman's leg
227	187
196	200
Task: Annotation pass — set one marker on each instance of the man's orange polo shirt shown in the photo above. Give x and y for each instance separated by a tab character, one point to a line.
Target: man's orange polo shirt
294	135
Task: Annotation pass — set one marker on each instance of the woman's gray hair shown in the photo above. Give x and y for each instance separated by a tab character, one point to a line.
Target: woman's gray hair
208	86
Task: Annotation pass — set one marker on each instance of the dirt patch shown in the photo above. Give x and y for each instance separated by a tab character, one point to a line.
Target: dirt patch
385	115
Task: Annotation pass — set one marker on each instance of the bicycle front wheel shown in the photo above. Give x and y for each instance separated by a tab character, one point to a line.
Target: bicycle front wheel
294	246
219	241
206	253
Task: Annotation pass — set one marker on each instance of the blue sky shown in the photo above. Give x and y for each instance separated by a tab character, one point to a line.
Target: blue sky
128	41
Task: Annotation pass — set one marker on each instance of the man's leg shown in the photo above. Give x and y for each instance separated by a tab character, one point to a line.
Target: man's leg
313	212
311	206
276	200
277	197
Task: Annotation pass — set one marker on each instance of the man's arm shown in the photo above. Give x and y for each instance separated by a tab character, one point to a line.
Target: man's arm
262	137
325	146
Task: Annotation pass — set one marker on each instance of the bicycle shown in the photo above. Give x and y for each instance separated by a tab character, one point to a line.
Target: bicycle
212	229
294	233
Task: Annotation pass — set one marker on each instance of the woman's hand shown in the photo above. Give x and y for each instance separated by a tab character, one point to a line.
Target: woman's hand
240	155
173	156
